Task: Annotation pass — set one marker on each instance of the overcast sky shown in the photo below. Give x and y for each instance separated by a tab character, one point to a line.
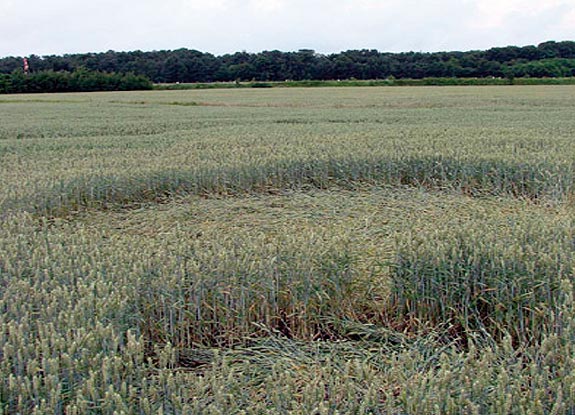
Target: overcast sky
46	27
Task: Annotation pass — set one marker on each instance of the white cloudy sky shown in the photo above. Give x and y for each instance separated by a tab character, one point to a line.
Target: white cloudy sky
221	26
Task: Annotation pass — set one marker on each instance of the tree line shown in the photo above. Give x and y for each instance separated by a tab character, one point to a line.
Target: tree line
80	80
549	59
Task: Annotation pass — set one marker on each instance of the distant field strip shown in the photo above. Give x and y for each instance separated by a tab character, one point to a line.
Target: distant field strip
67	156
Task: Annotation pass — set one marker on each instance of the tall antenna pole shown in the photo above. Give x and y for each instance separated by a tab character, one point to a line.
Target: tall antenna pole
26	66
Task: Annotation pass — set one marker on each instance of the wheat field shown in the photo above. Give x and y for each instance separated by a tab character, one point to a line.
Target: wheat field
288	251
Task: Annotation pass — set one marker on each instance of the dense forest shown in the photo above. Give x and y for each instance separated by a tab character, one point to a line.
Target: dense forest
549	59
80	80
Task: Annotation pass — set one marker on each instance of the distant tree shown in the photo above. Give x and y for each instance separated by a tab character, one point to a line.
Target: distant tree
174	70
242	72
